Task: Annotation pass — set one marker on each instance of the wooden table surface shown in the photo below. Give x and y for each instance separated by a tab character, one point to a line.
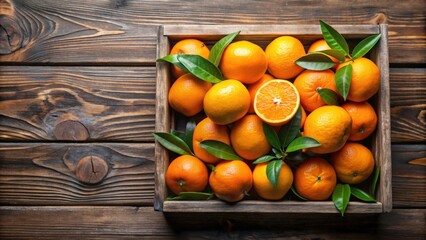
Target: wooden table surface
77	78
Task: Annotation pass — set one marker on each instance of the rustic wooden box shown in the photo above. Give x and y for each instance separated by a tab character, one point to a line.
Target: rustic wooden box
262	35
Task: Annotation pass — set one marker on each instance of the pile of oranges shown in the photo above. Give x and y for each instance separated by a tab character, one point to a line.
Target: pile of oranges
267	86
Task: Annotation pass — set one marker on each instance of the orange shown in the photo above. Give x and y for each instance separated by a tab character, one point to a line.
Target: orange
364	119
354	163
248	139
321	45
186	95
186	174
226	102
365	79
265	189
307	84
243	61
281	53
315	179
276	102
231	180
208	130
330	126
188	46
252	88
302	123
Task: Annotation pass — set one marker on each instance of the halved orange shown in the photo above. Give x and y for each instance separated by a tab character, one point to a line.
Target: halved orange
276	102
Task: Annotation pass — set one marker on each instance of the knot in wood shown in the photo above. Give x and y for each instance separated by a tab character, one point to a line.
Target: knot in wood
71	130
11	35
91	169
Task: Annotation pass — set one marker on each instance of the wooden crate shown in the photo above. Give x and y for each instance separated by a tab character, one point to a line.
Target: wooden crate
262	35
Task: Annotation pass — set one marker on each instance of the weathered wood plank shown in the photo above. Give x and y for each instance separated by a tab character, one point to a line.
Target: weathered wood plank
77	103
121	32
409	178
47	174
144	222
408	104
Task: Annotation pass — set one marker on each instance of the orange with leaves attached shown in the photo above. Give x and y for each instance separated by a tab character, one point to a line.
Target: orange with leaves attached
263	186
188	46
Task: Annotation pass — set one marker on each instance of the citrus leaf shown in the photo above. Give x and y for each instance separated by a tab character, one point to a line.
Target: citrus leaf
365	45
273	171
342	79
361	195
263	159
219	47
328	96
220	150
173	60
297	194
178	134
271	136
301	143
289	131
334	39
189	132
192	196
334	53
341	195
374	182
201	67
278	153
315	61
172	143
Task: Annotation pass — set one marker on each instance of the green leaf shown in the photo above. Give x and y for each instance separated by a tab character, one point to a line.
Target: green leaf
341	196
334	53
265	158
374	182
301	143
297	194
201	67
192	196
278	153
220	150
334	39
271	136
172	143
173	59
178	134
189	132
273	171
289	131
328	96
361	195
342	79
315	61
219	47
365	45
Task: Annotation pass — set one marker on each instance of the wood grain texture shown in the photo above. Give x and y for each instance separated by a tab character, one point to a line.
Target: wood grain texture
118	32
408	180
408	104
144	222
98	103
45	174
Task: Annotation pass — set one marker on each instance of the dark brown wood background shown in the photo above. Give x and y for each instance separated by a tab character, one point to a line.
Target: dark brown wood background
77	78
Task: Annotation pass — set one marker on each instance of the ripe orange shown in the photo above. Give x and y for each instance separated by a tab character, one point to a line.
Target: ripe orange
315	179
186	95
354	163
243	61
365	79
231	180
252	88
307	84
321	45
265	189
281	53
188	46
186	174
226	102
248	139
364	119
330	126
208	130
302	123
276	102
